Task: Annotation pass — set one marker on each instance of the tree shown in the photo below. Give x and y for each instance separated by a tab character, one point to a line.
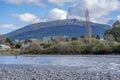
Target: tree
116	24
82	36
52	38
74	38
17	45
88	26
27	41
97	37
9	41
113	34
33	48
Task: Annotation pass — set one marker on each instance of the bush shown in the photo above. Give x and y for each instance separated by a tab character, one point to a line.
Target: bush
78	48
9	41
117	48
73	47
102	48
46	45
33	49
17	45
61	48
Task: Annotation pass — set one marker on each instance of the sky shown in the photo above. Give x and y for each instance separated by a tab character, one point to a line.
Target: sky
15	14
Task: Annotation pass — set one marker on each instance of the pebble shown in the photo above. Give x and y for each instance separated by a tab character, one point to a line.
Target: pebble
39	72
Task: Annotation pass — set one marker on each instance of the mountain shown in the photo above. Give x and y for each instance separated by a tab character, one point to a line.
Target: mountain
113	34
68	27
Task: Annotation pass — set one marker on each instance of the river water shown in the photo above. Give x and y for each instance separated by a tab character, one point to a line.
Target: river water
85	61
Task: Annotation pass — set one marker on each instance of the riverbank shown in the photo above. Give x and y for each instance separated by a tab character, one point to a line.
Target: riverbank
37	72
10	52
61	47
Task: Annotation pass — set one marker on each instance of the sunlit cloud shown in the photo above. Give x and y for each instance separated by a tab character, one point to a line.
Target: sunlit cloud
56	14
27	17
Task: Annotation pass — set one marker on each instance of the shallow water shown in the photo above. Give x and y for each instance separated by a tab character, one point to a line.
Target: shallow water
96	62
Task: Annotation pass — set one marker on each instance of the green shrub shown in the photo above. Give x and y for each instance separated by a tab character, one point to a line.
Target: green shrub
102	48
61	48
9	41
117	49
46	45
18	45
78	48
33	49
74	47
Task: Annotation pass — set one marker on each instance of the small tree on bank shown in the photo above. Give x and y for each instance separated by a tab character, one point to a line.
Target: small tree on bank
9	41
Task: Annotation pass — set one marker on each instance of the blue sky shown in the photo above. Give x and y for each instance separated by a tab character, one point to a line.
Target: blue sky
19	13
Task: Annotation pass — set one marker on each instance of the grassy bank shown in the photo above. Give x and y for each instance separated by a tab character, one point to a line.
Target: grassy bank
10	52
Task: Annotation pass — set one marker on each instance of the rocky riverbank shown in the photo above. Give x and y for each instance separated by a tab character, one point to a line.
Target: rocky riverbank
37	72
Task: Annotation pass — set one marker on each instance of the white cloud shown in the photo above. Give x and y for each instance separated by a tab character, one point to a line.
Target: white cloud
36	2
55	14
27	17
9	26
60	2
118	17
97	8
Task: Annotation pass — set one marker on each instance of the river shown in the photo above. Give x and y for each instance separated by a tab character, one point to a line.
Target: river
98	62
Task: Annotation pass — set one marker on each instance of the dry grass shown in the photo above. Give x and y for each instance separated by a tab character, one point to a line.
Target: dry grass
10	52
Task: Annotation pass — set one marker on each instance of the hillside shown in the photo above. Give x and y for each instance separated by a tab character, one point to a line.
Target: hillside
68	27
113	34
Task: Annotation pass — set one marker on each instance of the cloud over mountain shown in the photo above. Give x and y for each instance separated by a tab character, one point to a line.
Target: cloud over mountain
97	8
53	14
27	17
56	14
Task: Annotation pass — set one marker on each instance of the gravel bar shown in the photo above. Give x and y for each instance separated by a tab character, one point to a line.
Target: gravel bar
43	72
